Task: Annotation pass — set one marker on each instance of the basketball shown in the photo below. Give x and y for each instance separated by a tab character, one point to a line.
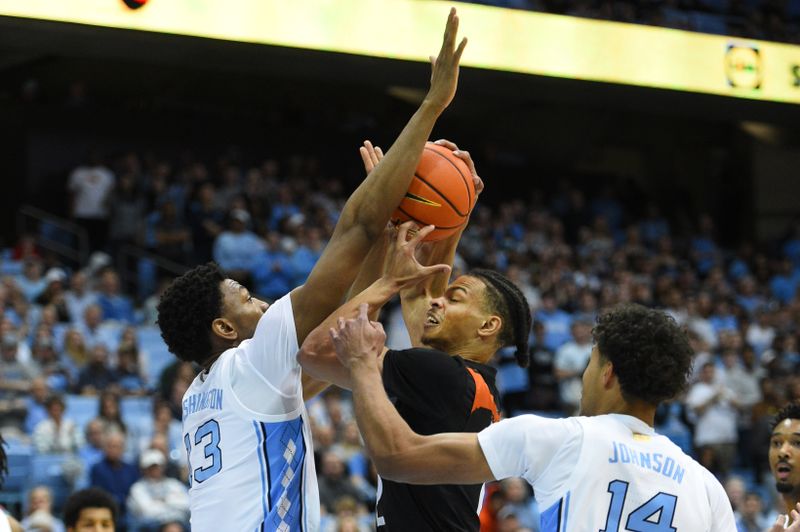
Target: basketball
442	193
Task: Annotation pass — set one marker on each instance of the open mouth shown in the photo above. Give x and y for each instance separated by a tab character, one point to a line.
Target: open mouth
431	320
782	471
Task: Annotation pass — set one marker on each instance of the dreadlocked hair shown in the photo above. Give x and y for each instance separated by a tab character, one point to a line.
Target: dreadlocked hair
510	303
790	411
187	308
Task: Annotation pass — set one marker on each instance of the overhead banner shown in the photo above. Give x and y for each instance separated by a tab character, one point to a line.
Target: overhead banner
500	39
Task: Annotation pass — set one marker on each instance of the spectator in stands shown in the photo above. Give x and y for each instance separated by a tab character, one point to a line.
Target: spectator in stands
93	330
205	222
751	518
308	252
519	500
92	450
154	499
166	426
236	248
543	392
715	433
91	185
112	473
49	366
31	283
129	374
127	212
54	294
334	481
272	272
75	352
35	404
96	376
570	361
168	236
79	297
90	509
113	303
40	516
15	382
556	322
56	434
110	413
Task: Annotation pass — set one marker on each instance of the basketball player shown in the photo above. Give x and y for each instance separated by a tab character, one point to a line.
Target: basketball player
784	454
605	471
90	510
244	422
7	523
443	384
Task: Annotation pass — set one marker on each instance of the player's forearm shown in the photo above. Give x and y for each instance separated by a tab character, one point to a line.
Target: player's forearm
371	269
386	435
317	355
376	198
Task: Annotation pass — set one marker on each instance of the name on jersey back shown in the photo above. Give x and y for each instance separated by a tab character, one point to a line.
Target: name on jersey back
657	462
209	399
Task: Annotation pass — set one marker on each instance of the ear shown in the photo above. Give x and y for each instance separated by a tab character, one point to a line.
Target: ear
609	377
490	327
224	329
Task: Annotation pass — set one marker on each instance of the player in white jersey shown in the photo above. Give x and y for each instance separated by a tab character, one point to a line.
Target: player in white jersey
7	523
244	423
606	471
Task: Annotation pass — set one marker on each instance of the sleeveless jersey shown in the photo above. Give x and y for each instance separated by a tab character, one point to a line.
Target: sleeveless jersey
247	436
608	473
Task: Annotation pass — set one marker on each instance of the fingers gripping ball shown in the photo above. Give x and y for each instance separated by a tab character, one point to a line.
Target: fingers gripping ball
442	193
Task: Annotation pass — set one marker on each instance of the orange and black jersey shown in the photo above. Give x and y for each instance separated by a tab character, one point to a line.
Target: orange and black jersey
435	392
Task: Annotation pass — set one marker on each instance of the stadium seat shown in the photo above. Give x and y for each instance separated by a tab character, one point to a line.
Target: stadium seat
511	378
155	350
81	409
19	457
48	470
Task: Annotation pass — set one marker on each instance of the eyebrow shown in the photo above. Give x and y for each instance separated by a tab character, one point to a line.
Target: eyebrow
776	434
454	288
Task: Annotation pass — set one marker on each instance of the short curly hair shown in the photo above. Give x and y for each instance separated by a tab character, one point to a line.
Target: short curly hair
88	498
187	308
650	352
790	411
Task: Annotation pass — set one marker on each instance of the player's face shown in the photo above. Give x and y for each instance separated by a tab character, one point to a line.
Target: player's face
242	309
453	319
94	520
784	455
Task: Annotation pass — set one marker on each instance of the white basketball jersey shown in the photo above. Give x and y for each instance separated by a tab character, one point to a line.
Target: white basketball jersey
609	473
251	460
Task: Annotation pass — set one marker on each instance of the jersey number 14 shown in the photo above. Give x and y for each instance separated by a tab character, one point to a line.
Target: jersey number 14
653	516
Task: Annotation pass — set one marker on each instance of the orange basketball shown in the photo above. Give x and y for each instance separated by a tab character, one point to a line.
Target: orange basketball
442	193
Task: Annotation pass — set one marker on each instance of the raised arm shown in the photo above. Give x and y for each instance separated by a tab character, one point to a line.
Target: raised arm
317	355
367	211
399	453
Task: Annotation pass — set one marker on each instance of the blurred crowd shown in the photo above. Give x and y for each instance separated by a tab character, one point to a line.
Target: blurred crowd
771	20
85	383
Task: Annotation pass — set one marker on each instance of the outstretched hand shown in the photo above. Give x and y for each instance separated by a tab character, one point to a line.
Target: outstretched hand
783	520
402	267
358	339
444	67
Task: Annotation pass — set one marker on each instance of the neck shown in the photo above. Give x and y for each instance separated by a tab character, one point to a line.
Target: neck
790	500
468	351
637	409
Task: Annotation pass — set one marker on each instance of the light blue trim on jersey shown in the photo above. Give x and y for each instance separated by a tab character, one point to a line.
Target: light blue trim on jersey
554	519
285	465
261	470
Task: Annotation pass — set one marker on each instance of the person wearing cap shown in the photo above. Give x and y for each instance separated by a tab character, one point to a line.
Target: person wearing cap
155	499
53	293
235	250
